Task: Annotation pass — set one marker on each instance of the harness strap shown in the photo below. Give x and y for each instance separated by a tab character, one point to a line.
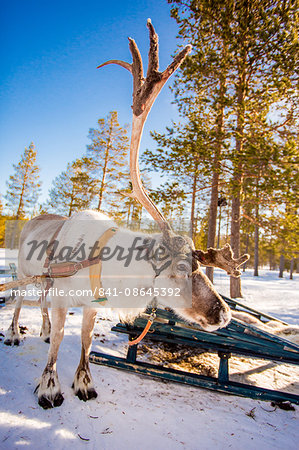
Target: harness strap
69	268
51	249
146	329
47	271
95	270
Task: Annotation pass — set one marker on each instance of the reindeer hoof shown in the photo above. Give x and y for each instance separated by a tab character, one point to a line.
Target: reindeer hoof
58	400
86	395
45	336
15	341
83	385
49	390
46	403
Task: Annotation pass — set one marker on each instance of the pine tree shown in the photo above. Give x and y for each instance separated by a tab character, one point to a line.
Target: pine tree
73	189
182	155
172	199
23	187
107	156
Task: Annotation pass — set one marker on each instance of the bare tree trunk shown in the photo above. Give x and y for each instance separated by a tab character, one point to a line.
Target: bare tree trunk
256	250
256	229
102	188
103	179
215	179
281	265
246	251
292	265
227	225
21	202
213	218
192	217
128	214
235	283
72	203
256	241
219	228
271	263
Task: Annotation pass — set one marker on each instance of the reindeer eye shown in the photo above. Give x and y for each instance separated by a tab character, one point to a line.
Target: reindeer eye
182	267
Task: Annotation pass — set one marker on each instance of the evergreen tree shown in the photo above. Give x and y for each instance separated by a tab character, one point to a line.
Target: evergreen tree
107	154
73	189
171	198
182	155
23	187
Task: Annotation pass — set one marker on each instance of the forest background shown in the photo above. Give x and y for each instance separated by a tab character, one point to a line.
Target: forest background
226	170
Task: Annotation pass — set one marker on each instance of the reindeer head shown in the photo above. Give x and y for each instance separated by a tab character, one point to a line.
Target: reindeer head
180	284
198	300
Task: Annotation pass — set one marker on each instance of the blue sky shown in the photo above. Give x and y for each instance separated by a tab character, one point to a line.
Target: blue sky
52	93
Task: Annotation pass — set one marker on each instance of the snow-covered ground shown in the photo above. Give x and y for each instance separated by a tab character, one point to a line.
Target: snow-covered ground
133	411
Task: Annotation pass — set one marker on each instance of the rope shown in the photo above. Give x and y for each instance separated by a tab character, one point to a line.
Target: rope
146	329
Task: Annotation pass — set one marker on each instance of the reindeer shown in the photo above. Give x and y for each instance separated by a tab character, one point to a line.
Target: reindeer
178	269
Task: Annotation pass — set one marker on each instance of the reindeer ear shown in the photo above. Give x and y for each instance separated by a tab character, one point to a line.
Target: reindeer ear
195	264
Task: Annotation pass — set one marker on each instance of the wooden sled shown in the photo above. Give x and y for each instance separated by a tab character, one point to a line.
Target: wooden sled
8	272
237	339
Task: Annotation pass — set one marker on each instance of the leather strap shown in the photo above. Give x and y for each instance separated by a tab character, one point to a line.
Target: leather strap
95	270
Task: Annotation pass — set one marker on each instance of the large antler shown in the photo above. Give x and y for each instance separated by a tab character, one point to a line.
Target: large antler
222	258
145	92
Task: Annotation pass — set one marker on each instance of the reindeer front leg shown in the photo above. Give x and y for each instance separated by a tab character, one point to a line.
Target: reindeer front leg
49	390
46	325
83	384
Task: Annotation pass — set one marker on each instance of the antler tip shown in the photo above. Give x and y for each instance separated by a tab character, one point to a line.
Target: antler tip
123	64
149	21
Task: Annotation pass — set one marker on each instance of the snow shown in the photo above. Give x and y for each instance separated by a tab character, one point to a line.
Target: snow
133	411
